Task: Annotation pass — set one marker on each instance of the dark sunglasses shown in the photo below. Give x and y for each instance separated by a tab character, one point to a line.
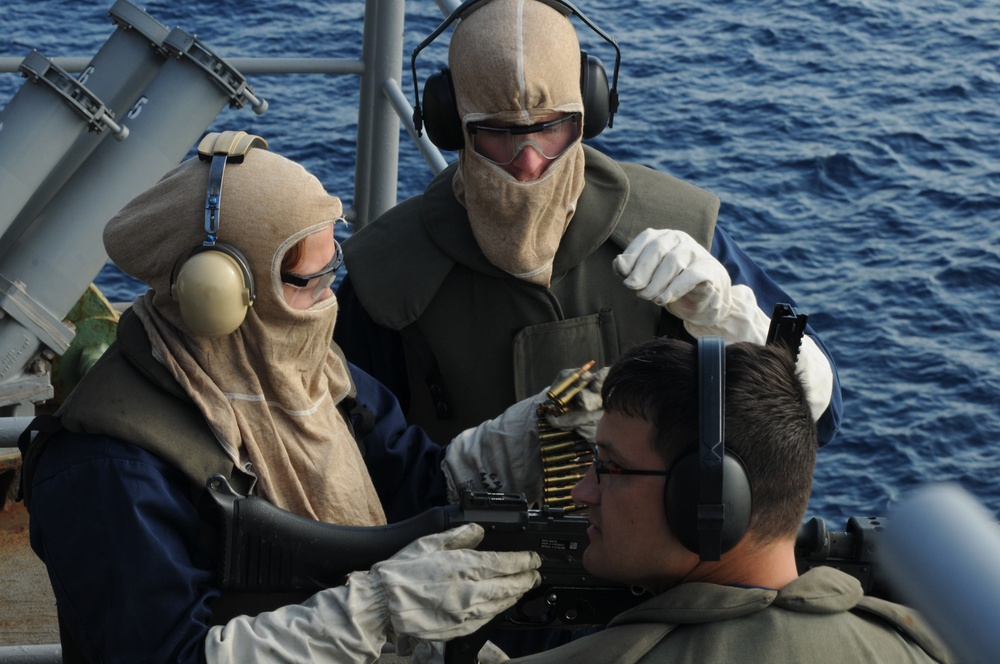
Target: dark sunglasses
302	280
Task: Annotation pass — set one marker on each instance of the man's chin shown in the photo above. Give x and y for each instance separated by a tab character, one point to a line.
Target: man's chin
595	563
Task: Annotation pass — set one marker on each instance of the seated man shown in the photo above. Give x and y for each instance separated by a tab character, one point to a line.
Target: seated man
743	601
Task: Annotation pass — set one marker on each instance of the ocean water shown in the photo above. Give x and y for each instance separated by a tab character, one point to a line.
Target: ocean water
855	145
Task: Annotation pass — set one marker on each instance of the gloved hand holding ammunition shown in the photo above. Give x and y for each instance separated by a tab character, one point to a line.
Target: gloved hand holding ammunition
503	454
671	269
584	408
567	427
436	588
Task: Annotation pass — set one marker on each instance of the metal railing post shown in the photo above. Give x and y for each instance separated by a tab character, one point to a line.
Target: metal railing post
376	171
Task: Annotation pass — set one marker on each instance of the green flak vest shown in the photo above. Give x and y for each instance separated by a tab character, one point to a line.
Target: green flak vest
477	339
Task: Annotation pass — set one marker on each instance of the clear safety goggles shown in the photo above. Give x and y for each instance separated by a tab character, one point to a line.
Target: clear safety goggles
501	145
317	284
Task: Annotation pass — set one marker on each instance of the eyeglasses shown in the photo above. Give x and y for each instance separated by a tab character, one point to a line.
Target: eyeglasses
601	468
501	145
316	283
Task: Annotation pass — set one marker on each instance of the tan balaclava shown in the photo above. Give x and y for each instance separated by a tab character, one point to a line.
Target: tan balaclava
517	61
269	389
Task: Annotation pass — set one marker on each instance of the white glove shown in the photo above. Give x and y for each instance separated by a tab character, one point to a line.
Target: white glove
586	407
671	269
500	455
436	588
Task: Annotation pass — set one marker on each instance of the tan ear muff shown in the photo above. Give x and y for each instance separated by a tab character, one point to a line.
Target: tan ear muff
213	290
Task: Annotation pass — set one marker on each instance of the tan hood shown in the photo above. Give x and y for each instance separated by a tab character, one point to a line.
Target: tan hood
269	389
517	61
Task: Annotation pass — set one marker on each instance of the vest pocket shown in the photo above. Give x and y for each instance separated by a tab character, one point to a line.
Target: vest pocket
542	351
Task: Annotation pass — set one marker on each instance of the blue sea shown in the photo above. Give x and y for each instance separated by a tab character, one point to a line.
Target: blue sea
855	145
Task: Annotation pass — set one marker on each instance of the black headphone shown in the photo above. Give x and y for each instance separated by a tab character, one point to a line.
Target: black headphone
211	282
440	110
708	496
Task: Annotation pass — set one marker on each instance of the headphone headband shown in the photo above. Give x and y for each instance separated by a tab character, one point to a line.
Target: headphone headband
213	199
711	444
221	148
562	6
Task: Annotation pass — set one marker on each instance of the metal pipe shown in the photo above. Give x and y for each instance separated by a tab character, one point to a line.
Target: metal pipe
41	654
431	154
377	165
246	65
10	429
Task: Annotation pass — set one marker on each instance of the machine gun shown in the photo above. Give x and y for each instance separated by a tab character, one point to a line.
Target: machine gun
265	549
852	551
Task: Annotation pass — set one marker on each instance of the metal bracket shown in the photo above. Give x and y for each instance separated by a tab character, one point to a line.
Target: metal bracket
180	43
51	331
39	69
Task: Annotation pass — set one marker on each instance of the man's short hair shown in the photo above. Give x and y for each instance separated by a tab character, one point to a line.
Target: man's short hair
768	423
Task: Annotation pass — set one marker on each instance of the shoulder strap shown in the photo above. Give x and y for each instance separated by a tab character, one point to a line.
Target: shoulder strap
128	395
388	290
659	200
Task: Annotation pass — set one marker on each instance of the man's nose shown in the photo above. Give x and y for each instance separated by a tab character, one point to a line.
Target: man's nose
587	491
529	164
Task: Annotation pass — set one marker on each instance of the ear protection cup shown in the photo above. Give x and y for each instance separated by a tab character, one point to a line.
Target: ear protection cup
596	95
439	112
213	289
680	501
708	498
441	120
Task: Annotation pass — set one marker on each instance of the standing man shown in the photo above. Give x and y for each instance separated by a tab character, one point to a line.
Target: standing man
527	256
